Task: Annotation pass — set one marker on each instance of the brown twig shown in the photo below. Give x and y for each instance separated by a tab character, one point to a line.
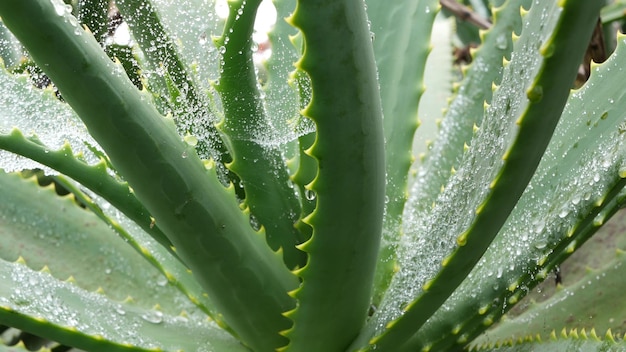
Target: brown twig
464	13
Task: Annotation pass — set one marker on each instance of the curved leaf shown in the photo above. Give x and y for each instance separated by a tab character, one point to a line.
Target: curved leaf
257	161
573	340
569	197
54	232
176	56
22	106
401	61
36	302
200	217
349	186
494	172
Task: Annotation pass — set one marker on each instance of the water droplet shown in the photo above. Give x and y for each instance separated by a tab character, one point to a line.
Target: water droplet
539	226
501	42
154	317
500	272
309	194
202	40
61	8
161	281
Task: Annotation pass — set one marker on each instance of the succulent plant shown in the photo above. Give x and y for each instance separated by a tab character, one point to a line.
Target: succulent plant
196	189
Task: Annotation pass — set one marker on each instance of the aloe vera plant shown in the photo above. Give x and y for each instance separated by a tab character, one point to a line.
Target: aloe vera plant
176	193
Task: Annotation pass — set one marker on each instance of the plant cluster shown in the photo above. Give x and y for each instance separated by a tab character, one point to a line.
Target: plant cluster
180	191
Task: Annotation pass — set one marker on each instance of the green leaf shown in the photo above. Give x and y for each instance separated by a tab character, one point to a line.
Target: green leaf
583	305
504	154
570	196
573	340
50	231
439	80
257	161
200	217
337	279
22	106
38	303
401	63
178	65
9	47
95	177
467	108
69	246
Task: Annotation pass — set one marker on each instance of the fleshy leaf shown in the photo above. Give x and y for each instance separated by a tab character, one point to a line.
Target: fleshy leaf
36	302
401	61
260	165
467	107
569	197
54	232
178	61
565	341
22	105
96	177
583	305
337	279
493	174
201	218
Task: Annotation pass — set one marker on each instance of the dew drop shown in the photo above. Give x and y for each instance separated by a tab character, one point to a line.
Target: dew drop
501	42
61	8
154	317
161	281
203	39
539	226
309	194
